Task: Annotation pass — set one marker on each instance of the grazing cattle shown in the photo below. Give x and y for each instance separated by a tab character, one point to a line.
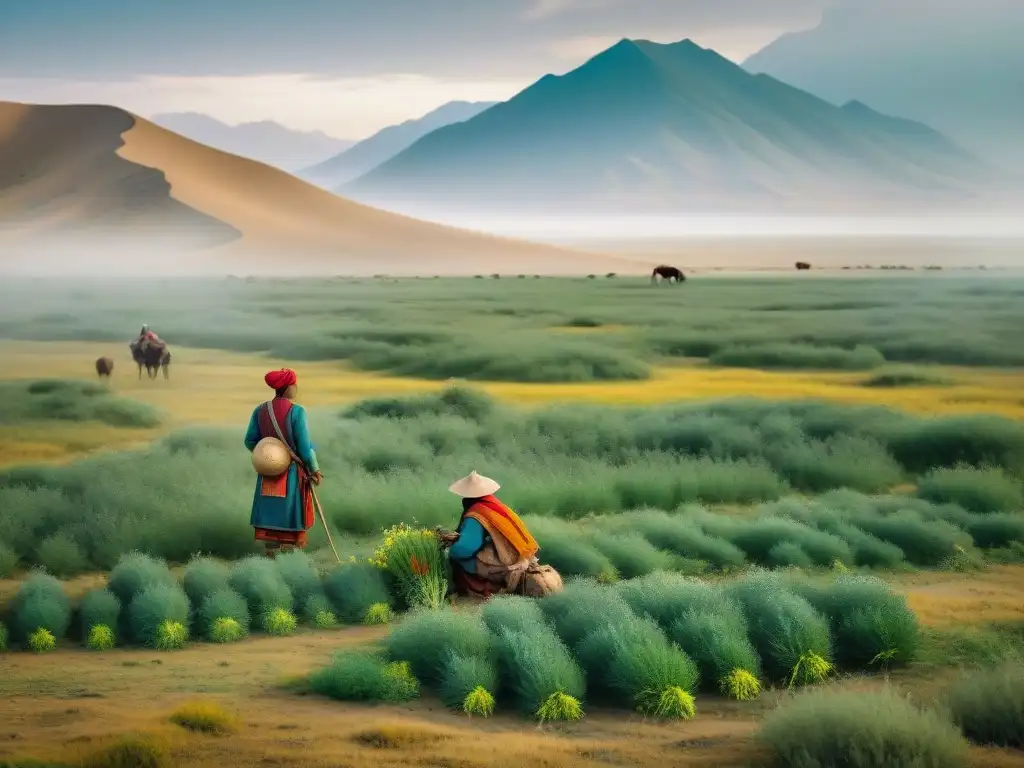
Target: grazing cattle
104	367
153	358
668	274
802	265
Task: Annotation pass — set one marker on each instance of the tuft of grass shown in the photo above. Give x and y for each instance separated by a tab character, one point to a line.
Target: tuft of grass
205	717
988	705
560	707
667	597
136	572
101	638
226	630
98	607
71	401
717	640
464	682
975	489
159	616
511	612
363	676
582	607
41	641
859	730
259	581
280	622
301	576
129	752
631	554
223	605
424	638
203	577
780	356
40	604
353	589
317	611
8	561
740	685
378	614
479	701
540	673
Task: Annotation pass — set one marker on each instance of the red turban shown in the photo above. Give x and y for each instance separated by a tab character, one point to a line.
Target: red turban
278	380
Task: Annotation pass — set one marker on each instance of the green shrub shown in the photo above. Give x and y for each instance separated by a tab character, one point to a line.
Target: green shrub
203	577
129	752
40	603
666	597
363	677
279	622
98	607
100	638
8	561
923	542
798	357
683	537
976	490
631	554
300	575
858	729
870	624
317	610
41	641
759	538
566	553
425	637
717	640
791	637
224	603
61	555
988	705
538	670
152	608
977	441
353	588
581	607
135	573
996	530
462	676
258	580
511	612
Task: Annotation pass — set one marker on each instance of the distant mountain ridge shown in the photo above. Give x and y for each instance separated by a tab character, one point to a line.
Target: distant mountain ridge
388	142
648	126
266	141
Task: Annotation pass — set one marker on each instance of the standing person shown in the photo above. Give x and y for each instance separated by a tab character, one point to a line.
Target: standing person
282	507
492	548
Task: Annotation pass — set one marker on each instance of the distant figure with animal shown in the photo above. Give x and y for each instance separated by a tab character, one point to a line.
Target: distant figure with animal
286	465
802	265
667	274
492	551
104	367
151	351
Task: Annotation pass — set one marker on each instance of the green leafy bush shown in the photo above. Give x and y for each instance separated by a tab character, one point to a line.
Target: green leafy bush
667	597
203	577
258	580
462	676
511	612
353	588
152	609
136	572
98	607
581	607
974	489
539	672
988	705
363	677
300	575
858	729
224	603
40	603
61	555
717	640
425	637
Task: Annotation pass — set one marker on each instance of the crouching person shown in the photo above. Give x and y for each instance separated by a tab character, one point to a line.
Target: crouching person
492	551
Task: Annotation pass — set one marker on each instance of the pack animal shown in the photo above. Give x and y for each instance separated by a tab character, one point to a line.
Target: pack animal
667	274
153	358
802	265
104	367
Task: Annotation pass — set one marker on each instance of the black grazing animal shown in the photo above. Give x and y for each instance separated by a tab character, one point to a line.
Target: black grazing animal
154	358
104	367
802	265
668	274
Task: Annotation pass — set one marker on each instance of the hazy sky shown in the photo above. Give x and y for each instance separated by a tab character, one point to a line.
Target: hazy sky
348	67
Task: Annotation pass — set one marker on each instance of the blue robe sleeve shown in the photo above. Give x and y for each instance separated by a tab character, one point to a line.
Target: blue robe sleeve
300	434
471	539
252	434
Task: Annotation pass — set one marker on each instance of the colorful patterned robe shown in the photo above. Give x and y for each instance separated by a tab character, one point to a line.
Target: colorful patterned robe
282	507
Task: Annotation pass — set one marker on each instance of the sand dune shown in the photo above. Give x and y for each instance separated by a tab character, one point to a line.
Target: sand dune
88	172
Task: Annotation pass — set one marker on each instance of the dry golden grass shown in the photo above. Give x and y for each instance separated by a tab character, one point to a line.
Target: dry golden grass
212	387
205	716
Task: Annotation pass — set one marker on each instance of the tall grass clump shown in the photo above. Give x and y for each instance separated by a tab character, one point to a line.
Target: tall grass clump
974	489
258	580
354	589
761	540
223	616
136	572
424	638
8	561
976	441
203	577
871	626
567	553
581	607
205	717
159	616
988	705
40	604
415	564
98	608
631	554
469	683
790	636
511	612
856	729
685	538
781	356
717	640
541	675
61	555
666	597
923	542
364	676
300	575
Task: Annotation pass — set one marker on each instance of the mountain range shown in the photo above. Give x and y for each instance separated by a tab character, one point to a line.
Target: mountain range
265	141
957	67
385	144
650	127
94	188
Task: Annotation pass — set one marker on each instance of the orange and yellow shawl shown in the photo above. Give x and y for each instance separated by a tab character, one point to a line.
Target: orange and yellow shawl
496	517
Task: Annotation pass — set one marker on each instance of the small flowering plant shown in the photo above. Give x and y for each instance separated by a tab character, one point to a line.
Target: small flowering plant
413	558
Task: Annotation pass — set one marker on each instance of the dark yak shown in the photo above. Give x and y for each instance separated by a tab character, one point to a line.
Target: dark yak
104	367
153	358
802	265
669	274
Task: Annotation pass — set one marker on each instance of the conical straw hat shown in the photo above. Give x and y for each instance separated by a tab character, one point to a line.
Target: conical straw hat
473	486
